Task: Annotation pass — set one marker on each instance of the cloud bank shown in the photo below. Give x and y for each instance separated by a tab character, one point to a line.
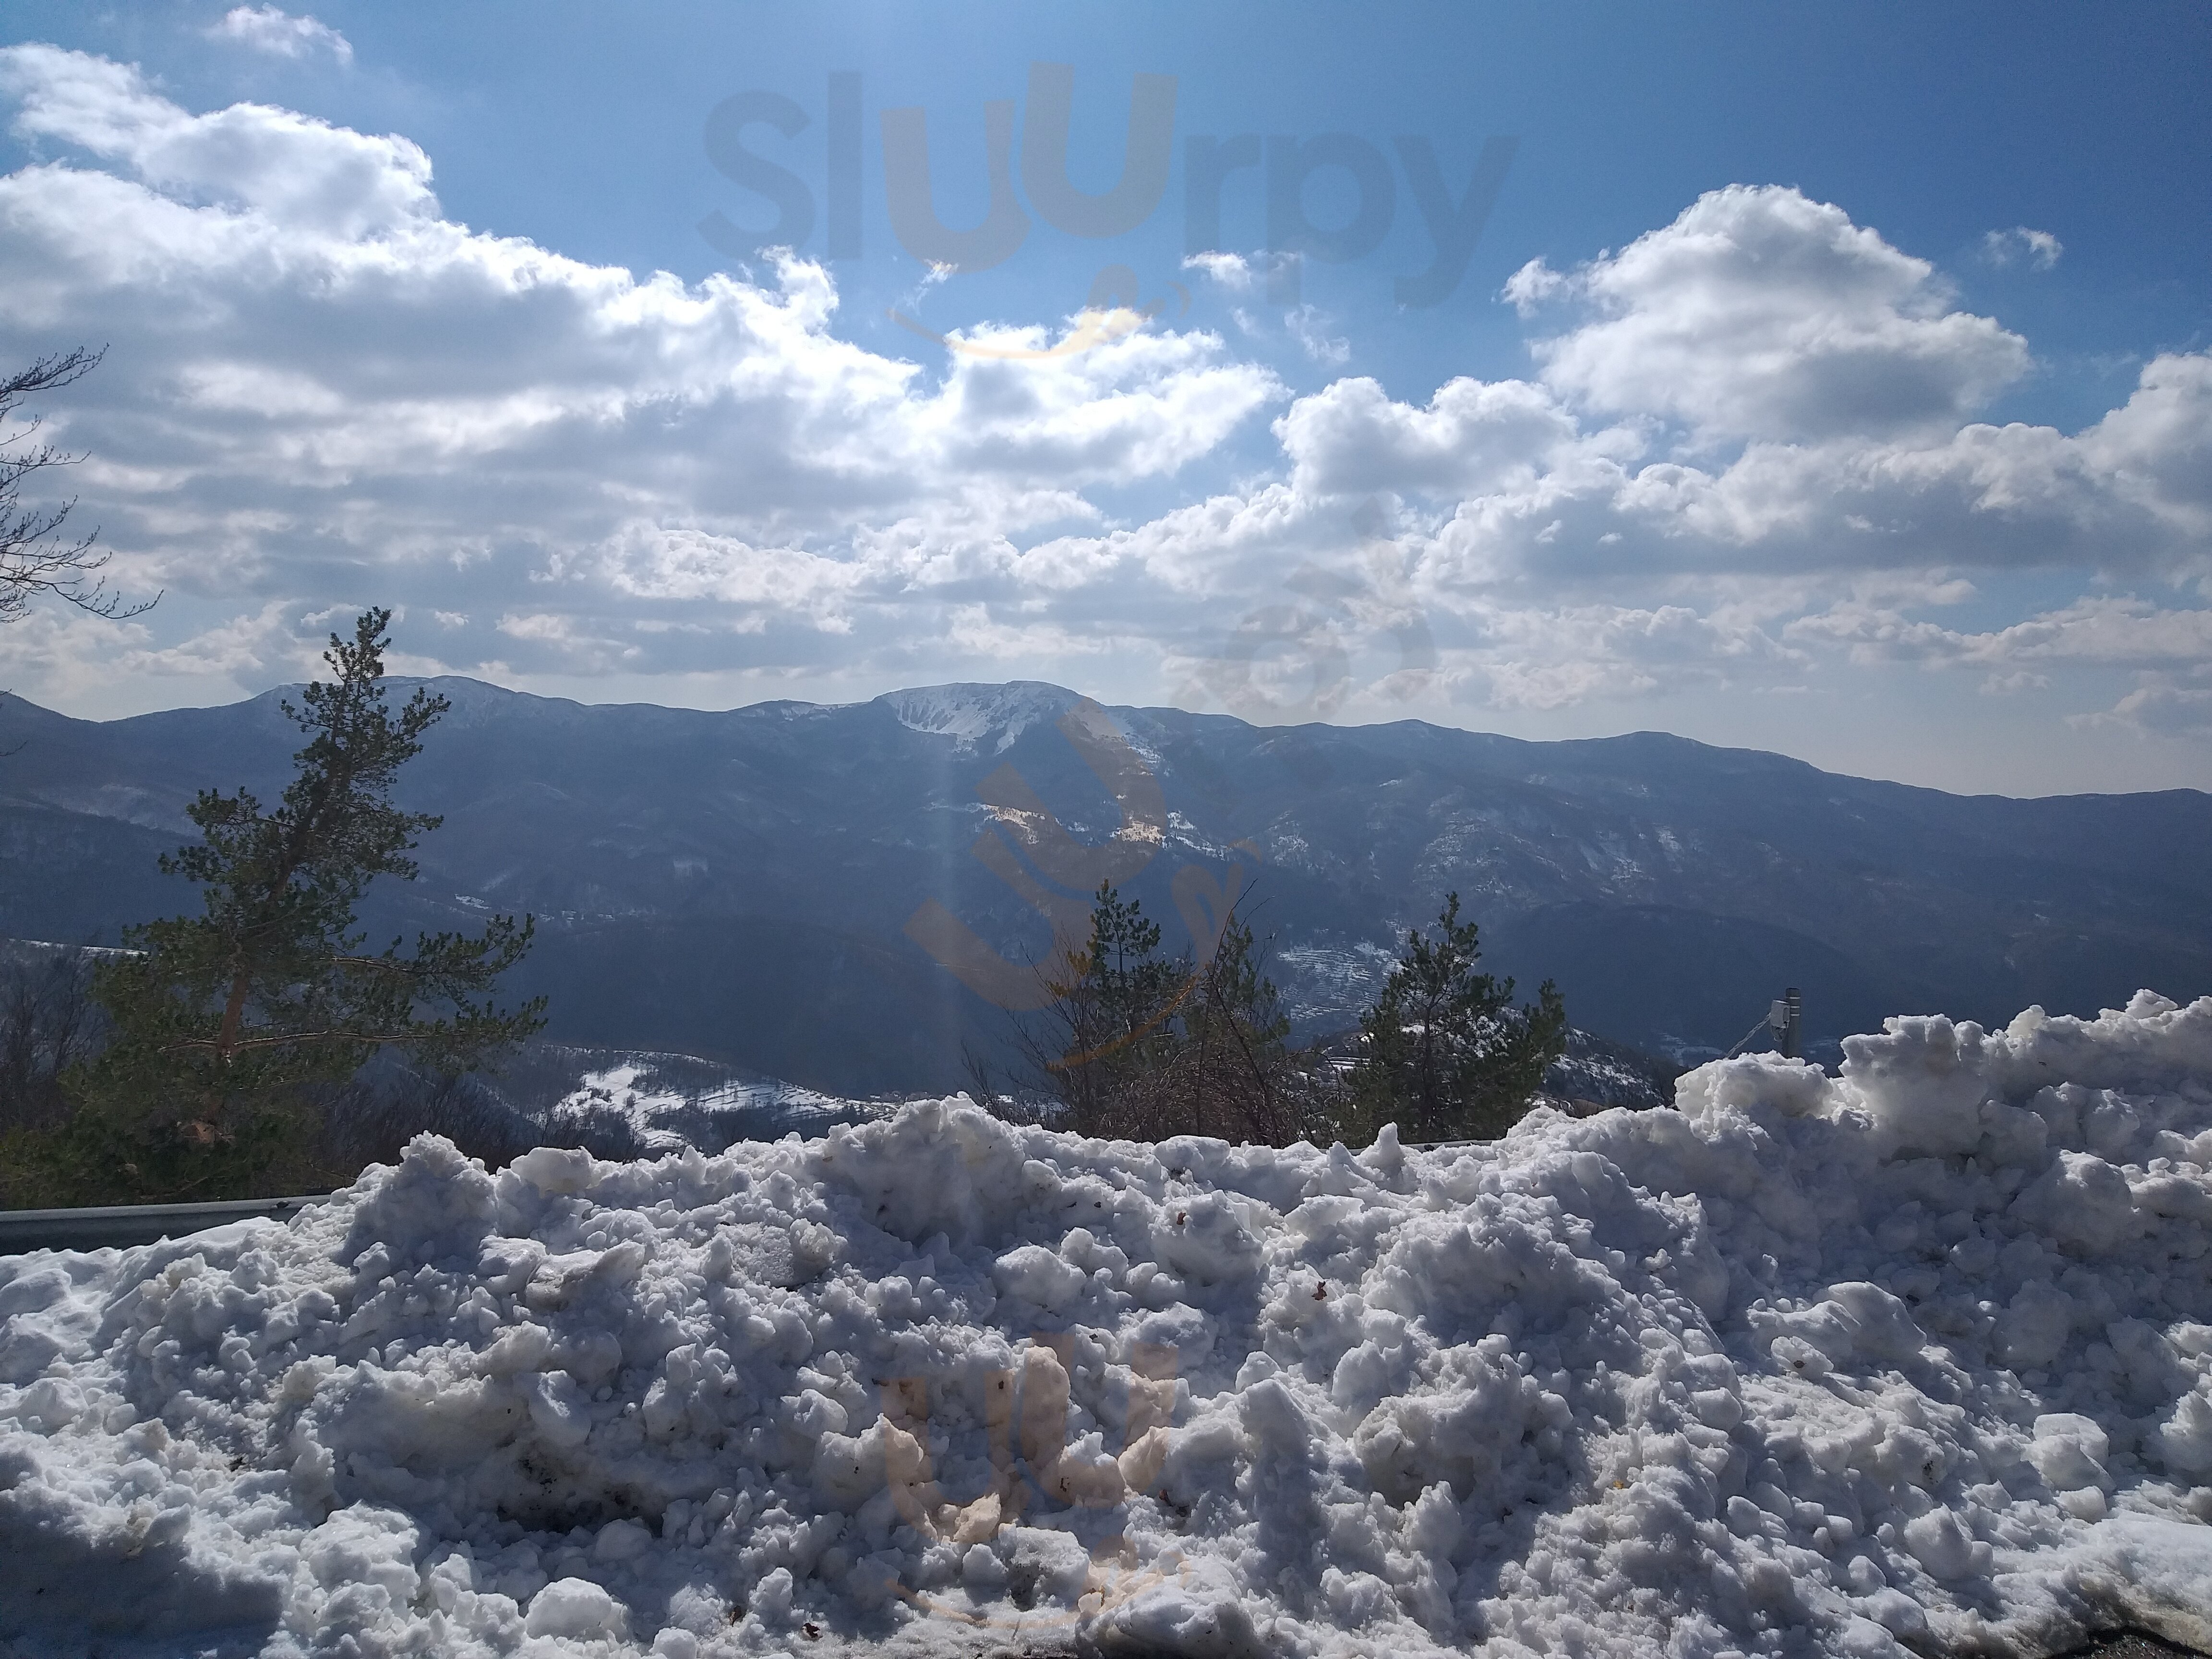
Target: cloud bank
1751	449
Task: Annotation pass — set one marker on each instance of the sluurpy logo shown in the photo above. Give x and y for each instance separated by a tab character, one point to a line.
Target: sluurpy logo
1058	1474
1214	167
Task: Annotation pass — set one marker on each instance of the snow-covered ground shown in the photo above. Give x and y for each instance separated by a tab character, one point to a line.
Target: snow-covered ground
1918	1355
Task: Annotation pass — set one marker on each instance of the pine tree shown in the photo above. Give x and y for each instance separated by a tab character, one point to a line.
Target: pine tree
1443	1051
1111	1032
1142	1045
1233	1067
227	1025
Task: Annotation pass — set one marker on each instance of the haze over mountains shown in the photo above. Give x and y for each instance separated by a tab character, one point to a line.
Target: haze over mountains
780	886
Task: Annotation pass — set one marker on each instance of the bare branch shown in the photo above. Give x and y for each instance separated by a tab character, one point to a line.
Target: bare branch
34	560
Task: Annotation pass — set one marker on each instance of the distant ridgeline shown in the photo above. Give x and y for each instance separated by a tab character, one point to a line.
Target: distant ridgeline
742	885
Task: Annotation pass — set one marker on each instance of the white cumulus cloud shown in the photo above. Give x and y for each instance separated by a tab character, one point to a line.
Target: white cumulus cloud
311	370
2021	245
2160	707
1761	314
2110	630
1748	454
272	30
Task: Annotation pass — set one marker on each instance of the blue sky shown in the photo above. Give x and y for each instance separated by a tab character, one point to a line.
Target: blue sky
1827	379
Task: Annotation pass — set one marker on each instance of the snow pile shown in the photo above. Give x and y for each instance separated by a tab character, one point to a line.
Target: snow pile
1917	1355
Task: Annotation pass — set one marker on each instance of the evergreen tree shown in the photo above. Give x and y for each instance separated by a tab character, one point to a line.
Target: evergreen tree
1233	1065
1144	1046
227	1025
1111	1035
1443	1051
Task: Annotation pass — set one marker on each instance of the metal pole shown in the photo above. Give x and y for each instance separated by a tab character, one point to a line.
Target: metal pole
1792	1010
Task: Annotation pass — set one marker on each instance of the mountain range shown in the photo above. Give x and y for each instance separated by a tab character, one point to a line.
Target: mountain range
853	896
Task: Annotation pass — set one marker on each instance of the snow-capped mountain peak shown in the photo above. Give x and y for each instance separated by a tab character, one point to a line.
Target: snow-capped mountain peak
979	716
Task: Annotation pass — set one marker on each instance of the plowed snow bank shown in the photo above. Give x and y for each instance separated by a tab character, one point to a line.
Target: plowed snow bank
1812	1365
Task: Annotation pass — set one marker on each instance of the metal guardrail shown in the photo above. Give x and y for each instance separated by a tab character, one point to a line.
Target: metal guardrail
125	1224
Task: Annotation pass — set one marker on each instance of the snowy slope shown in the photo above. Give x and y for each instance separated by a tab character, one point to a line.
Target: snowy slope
664	1115
1920	1355
969	714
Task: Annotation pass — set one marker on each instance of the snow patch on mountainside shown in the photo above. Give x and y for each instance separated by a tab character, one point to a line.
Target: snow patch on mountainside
1324	987
1914	1358
970	714
668	1119
1592	1071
